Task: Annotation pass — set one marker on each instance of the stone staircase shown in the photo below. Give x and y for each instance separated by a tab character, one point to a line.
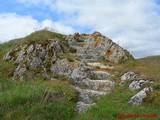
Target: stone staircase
89	89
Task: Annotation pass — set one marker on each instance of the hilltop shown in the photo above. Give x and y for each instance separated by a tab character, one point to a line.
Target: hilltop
48	75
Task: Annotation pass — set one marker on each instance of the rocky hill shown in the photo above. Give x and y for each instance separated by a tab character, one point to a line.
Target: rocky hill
61	54
88	62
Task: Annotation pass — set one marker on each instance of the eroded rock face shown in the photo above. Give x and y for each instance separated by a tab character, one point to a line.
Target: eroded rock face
98	47
33	56
37	55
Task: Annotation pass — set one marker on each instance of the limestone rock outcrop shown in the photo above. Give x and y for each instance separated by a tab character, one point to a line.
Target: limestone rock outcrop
70	57
98	47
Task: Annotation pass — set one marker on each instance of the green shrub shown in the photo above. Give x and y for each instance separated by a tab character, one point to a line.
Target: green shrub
130	63
73	50
70	59
156	87
80	40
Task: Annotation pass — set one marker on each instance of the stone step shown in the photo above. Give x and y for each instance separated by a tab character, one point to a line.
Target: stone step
100	85
86	95
99	65
81	107
101	75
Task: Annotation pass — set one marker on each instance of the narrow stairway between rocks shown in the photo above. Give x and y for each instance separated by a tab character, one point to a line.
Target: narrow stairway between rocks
89	89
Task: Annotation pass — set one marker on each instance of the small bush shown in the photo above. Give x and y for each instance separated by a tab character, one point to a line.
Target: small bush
130	63
73	50
156	87
70	59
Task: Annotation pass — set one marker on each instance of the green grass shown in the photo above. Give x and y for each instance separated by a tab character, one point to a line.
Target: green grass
41	37
37	100
130	64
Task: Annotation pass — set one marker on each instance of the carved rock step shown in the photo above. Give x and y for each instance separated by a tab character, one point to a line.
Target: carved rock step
101	75
102	85
100	65
86	95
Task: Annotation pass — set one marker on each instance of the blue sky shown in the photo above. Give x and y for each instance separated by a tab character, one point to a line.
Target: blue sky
133	24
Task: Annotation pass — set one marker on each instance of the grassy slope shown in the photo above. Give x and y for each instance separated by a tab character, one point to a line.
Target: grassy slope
151	60
56	100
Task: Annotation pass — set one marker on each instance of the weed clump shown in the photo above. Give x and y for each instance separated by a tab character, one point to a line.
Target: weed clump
73	50
130	63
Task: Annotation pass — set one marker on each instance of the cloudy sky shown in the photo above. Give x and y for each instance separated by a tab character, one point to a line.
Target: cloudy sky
133	24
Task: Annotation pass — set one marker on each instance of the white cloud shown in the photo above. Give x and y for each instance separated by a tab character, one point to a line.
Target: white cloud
15	26
134	24
56	26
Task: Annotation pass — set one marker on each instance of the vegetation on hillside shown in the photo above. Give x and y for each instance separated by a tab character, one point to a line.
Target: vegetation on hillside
151	60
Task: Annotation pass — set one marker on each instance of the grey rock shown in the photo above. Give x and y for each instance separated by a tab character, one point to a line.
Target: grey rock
101	75
20	57
135	85
7	56
87	95
99	65
62	67
82	107
103	85
96	33
78	73
35	62
52	79
30	49
19	72
97	47
138	98
129	76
